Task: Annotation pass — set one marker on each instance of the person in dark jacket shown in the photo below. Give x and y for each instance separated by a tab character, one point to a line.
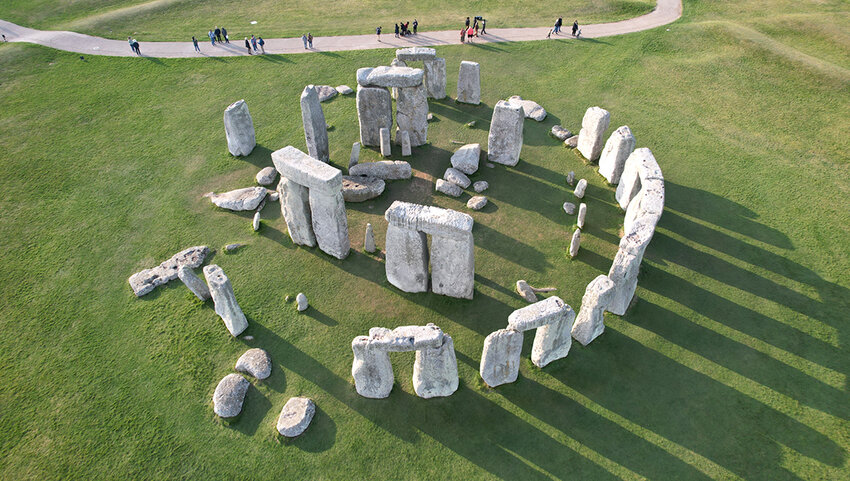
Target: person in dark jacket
248	46
217	33
575	28
415	26
224	34
195	43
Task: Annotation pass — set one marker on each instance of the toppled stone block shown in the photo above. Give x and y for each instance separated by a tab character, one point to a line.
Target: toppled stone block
477	202
457	177
222	295
344	89
480	186
240	199
383	169
325	92
560	133
146	280
266	176
255	362
295	416
193	282
448	188
530	108
361	189
465	159
229	395
569	208
525	290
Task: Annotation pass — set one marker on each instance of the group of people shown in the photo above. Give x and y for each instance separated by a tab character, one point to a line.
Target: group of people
469	31
307	40
557	28
402	29
254	45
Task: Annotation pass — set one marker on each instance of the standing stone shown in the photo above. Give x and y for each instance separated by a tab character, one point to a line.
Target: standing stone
355	155
641	160
453	265
411	114
301	302
371	369
647	206
469	83
330	224
593	125
315	128
266	176
435	78
374	112
239	129
229	395
624	270
295	416
581	187
504	142
500	357
574	243
589	323
553	340
465	159
256	222
193	282
435	370
617	149
396	63
222	295
582	211
255	362
405	143
407	258
369	242
295	208
386	150
457	177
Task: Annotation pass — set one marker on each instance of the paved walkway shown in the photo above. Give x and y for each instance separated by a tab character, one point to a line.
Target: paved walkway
666	11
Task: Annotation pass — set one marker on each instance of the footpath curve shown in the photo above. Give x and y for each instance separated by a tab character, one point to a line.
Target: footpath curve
666	11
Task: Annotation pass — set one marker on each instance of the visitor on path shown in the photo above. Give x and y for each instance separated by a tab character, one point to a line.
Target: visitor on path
378	33
469	34
310	39
403	29
254	43
476	28
248	46
483	26
415	26
262	44
195	43
396	30
558	23
224	34
212	37
462	34
467	22
304	40
136	47
4	38
217	32
575	28
130	41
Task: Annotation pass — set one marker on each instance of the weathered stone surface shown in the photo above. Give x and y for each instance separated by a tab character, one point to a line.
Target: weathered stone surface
306	170
435	370
239	129
589	322
648	205
593	126
575	242
231	247
326	92
315	128
504	142
369	240
412	114
640	165
435	78
255	222
193	282
530	108
525	290
400	77
405	143
407	258
273	196
453	266
374	112
480	186
301	302
571	177
355	155
617	149
415	54
553	340
477	202
371	369
538	314
569	208
457	177
431	220
580	189
229	395
146	280
222	295
295	208
255	362
344	89
330	223
623	274
361	189
500	357
383	169
397	63
295	416
561	133
465	159
405	338
266	176
240	199
448	188
386	149
571	142
582	212
469	83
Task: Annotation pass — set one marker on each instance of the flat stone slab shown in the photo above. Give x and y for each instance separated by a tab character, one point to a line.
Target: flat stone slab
466	158
383	169
429	219
307	171
415	54
146	280
480	186
384	76
405	338
538	314
344	89
326	92
255	362
448	188
457	177
240	199
532	109
361	189
296	416
229	395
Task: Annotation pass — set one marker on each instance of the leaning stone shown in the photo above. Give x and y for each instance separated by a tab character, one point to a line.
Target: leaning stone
469	83
369	240
239	129
344	89
400	77
477	202
374	112
361	189
560	133
569	208
435	370
371	369
266	176
301	301
571	142
580	189
406	338
326	92
295	416
582	212
480	186
315	128
457	177
574	243
504	141
386	150
255	223
469	125
435	78
415	54
384	169
146	280
240	199
593	125
617	149
405	143
411	114
407	258
255	362
229	395
553	341
531	109
465	159
355	155
500	357
571	177
525	291
449	188
589	323
193	282
538	314
225	301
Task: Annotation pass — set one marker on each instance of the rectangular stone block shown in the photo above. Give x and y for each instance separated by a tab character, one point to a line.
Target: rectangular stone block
330	224
414	54
386	149
405	338
469	83
354	158
405	143
553	340
411	114
504	142
315	128
538	314
453	266
306	170
407	259
384	76
435	78
374	112
500	357
593	126
429	219
295	208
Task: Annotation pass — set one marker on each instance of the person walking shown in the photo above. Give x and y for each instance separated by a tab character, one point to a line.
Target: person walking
483	26
224	34
476	27
195	43
310	39
467	22
396	30
4	38
558	23
248	46
212	37
415	26
130	41
469	34
262	44
575	28
254	43
462	34
304	40
136	47
217	33
378	32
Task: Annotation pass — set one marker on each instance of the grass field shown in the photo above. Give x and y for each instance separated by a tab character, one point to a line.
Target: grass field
180	19
733	363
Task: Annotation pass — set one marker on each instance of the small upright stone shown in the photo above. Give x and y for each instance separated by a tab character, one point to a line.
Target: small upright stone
571	177
530	108
240	199
239	129
326	92
589	323
255	362
477	202
449	188
569	208
301	300
469	83
222	295
581	187
229	395
369	241
295	416
457	177
574	243
386	150
193	282
355	155
266	176
315	127
405	143
480	186
571	142
344	89
256	222
582	211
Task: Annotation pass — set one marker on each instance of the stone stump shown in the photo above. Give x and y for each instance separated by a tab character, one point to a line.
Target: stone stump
239	129
469	83
593	126
405	143
315	127
504	141
386	149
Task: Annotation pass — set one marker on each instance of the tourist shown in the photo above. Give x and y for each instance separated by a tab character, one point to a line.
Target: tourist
575	28
136	47
476	27
396	30
195	43
217	32
310	39
224	34
403	29
304	40
462	34
467	22
262	44
483	26
469	34
254	43
212	37
4	38
558	24
130	41
378	32
248	46
415	26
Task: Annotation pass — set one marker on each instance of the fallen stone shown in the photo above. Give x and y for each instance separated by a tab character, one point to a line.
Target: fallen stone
229	395
580	189
315	127
222	295
383	169
240	199
560	133
326	92
574	243
571	142
146	280
569	208
239	129
532	109
415	54
301	300
371	369
273	196
405	143
255	362
525	290
582	212
449	188
465	159
435	370
553	341
231	247
490	165
399	77
469	125
369	240
469	83
500	357
255	223
361	189
386	149
504	142
571	177
374	112
193	282
266	176
617	149
344	89
435	78
589	322
355	155
593	126
457	177
477	202
295	416
538	314
480	186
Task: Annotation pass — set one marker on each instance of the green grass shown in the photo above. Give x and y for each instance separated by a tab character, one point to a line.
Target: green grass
180	19
732	363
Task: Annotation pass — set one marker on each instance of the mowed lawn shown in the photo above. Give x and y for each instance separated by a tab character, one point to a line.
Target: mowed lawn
733	362
180	19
